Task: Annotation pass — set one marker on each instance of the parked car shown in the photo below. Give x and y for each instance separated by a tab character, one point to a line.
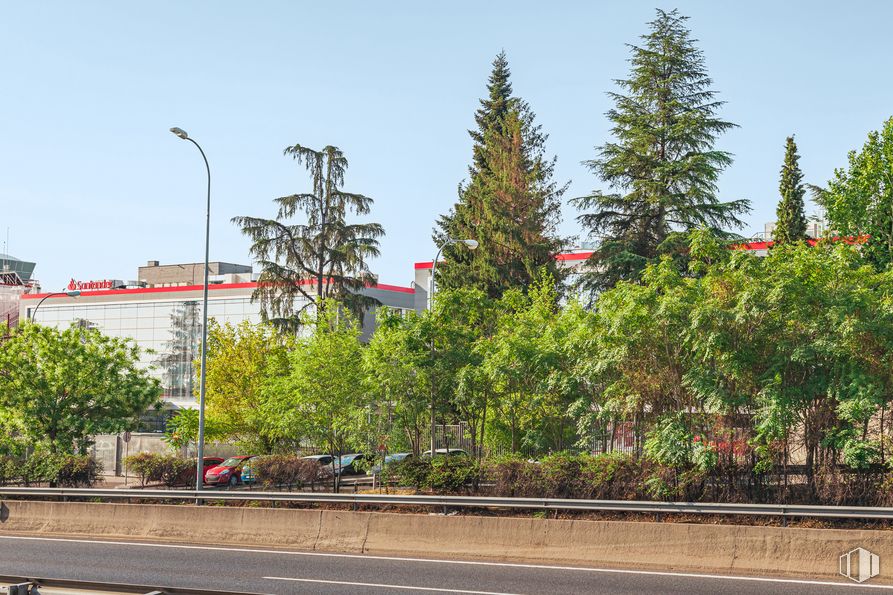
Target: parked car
325	464
321	459
440	452
247	474
353	464
188	476
389	460
229	472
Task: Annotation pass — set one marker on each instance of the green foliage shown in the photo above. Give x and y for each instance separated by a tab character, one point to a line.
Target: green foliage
440	473
510	205
324	248
791	218
59	470
858	200
530	370
169	470
323	397
243	362
397	376
612	476
662	164
64	386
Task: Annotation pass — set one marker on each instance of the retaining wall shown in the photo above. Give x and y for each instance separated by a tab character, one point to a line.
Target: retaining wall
705	548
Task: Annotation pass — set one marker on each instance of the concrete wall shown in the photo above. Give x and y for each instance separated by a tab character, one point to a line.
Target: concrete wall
702	548
110	450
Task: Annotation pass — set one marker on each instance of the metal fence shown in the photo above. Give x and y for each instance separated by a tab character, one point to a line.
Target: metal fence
445	502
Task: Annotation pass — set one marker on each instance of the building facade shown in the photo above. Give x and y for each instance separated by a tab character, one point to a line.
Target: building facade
16	279
165	319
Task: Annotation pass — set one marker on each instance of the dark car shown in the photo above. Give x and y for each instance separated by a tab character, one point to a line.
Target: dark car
353	464
229	472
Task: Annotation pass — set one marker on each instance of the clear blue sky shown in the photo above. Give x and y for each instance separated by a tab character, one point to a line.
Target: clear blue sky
92	184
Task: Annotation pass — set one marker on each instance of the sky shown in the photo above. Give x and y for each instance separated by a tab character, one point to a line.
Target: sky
92	183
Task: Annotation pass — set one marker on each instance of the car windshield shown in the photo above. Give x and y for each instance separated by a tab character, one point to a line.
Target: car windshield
395	458
347	459
233	462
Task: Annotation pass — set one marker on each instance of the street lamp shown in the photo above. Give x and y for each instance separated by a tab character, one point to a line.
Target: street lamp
73	293
472	245
199	466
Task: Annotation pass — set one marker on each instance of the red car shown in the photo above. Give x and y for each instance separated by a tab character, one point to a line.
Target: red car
229	472
188	476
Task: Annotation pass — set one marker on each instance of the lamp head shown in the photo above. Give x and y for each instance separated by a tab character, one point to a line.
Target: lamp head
180	132
472	244
73	293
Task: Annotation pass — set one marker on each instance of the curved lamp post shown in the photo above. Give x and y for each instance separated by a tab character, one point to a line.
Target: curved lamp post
200	447
472	245
74	293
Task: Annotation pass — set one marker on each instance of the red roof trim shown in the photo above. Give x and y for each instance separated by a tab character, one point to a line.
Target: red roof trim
764	245
185	288
574	255
424	265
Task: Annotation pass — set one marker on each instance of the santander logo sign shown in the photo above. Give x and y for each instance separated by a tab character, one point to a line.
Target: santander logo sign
90	285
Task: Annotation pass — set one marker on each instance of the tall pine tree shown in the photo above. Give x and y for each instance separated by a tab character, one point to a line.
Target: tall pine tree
510	204
662	164
790	223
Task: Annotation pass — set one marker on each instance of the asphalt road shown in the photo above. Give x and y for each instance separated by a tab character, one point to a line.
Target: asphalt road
258	570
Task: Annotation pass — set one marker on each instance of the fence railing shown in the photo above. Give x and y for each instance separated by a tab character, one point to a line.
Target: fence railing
446	502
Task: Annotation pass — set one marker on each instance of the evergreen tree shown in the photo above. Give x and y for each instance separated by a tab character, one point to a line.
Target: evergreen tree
662	163
322	259
791	220
510	204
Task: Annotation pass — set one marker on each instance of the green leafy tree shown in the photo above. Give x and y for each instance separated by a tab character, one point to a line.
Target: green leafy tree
181	430
397	377
454	328
323	257
790	225
65	386
242	361
510	204
528	368
859	198
324	395
662	163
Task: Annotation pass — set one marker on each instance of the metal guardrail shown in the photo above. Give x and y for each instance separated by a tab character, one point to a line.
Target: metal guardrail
774	510
18	585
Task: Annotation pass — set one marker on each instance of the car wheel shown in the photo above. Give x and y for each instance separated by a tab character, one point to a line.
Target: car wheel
233	481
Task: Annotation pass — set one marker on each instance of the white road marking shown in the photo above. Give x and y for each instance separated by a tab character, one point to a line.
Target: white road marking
407	587
459	562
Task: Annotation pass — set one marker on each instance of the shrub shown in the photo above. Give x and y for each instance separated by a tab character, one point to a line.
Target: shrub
447	474
77	471
611	476
9	470
61	470
144	465
285	471
170	470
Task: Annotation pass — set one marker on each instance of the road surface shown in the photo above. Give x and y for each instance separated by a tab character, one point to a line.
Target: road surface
259	570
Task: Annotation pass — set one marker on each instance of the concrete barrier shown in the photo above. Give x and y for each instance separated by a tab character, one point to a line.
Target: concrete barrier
704	548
